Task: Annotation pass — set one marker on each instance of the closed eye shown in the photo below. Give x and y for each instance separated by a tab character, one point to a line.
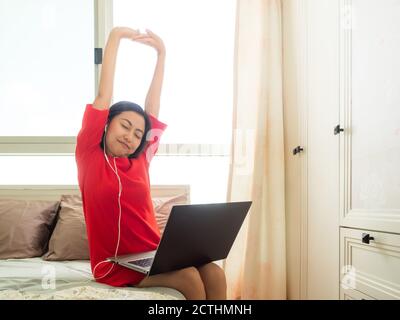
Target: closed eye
137	136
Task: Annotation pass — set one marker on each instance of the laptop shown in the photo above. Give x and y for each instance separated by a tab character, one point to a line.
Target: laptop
195	234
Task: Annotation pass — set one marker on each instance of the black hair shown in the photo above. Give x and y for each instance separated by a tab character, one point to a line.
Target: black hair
123	106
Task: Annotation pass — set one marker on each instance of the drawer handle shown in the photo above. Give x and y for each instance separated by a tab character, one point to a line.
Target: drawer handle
366	238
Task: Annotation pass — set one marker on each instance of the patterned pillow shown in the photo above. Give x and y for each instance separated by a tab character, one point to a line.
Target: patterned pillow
163	206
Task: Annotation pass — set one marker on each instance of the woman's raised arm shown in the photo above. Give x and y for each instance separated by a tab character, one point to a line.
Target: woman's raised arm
104	95
153	97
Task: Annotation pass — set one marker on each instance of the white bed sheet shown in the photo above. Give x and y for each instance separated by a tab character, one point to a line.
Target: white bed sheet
35	278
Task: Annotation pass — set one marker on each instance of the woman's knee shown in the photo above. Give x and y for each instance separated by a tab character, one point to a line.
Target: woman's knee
190	281
214	281
211	272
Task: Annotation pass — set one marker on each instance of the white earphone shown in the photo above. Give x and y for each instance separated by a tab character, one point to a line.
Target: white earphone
119	205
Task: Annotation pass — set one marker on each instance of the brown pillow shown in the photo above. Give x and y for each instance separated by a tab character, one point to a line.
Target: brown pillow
69	238
25	227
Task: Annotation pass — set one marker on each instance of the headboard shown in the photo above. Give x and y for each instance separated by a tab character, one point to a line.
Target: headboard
54	192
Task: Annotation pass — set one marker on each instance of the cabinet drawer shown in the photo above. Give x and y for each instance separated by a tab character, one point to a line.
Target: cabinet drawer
350	294
372	269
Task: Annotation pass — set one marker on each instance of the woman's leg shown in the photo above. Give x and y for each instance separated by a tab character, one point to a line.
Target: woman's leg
214	281
187	281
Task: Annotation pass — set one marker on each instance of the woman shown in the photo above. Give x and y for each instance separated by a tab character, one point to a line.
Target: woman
114	149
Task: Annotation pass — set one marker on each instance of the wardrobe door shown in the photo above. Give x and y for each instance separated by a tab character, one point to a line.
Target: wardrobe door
311	82
321	149
295	176
370	115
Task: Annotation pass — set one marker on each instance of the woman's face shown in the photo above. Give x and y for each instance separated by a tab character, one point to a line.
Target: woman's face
124	134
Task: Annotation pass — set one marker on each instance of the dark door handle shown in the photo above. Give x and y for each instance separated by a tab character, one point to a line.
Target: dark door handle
366	238
297	150
337	129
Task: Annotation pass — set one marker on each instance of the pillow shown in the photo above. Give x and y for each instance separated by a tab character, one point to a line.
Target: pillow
163	206
69	238
25	227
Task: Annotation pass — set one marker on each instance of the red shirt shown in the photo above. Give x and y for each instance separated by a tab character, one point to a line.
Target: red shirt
99	188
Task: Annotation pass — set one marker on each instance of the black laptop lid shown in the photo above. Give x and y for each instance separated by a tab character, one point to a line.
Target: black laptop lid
198	234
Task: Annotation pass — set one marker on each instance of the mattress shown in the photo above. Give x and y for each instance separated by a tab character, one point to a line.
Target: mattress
37	279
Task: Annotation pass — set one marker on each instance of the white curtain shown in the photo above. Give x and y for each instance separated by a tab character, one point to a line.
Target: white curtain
256	265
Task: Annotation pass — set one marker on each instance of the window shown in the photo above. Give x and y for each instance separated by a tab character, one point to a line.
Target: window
37	170
47	76
46	66
196	99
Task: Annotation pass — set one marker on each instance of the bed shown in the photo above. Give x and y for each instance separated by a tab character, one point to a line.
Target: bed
37	278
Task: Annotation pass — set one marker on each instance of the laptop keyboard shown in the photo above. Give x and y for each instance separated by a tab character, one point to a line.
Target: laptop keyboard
143	262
